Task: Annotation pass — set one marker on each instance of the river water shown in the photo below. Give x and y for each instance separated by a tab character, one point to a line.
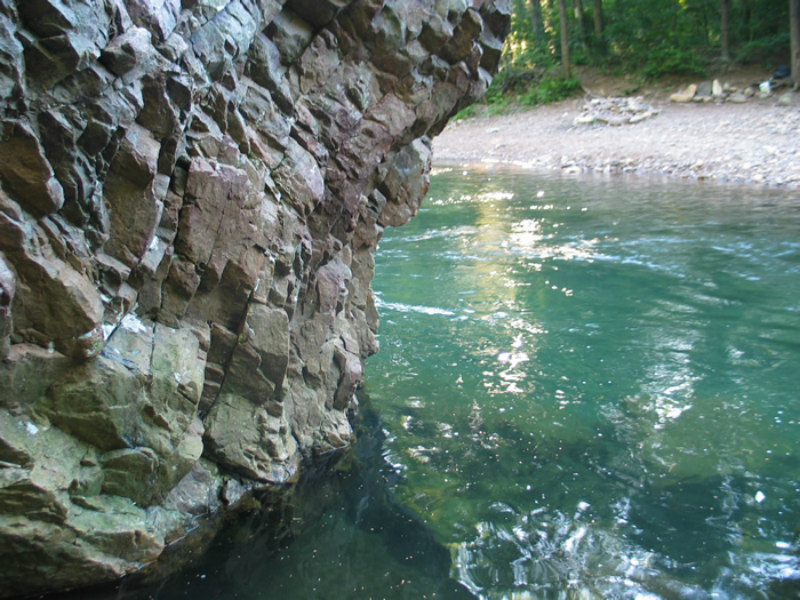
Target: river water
587	388
591	387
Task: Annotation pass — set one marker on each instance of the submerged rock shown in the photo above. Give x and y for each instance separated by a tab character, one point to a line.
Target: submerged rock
191	194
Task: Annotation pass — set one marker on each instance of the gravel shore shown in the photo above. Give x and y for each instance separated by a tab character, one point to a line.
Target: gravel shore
756	142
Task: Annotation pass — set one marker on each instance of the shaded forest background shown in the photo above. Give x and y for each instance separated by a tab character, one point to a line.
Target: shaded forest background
648	39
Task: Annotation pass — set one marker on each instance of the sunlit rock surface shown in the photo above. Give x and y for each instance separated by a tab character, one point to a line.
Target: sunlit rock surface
191	193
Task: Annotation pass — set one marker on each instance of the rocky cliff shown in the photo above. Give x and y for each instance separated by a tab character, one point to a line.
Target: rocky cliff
191	193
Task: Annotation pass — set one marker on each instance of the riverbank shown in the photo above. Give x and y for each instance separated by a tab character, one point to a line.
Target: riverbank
754	142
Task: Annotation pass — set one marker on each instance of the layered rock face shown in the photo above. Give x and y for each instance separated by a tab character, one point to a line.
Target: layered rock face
191	193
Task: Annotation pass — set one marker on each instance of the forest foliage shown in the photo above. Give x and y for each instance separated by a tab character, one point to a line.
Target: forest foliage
647	39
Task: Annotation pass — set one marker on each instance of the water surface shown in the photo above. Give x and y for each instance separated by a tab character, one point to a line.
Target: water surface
591	386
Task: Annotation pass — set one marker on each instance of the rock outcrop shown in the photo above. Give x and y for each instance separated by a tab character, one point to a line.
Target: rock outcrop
191	193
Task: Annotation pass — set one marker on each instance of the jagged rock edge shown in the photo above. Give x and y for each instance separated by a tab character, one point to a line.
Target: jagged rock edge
191	193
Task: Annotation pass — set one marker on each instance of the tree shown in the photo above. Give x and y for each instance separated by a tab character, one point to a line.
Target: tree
599	26
794	24
725	31
746	20
580	15
537	23
650	38
562	17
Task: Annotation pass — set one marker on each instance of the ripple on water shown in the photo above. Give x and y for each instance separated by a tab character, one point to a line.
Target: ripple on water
609	405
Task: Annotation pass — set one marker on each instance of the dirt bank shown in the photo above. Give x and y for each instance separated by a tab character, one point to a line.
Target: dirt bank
754	142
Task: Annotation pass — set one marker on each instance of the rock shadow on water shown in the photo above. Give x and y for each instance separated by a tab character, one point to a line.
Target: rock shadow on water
339	534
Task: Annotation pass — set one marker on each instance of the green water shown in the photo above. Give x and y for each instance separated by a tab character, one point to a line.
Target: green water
591	388
587	388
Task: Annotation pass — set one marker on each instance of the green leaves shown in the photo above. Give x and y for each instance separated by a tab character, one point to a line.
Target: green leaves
646	37
551	90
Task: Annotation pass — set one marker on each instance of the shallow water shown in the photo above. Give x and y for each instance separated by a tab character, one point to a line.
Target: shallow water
591	386
588	389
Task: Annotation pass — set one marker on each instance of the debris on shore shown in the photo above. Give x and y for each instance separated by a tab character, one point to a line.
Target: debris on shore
615	111
714	91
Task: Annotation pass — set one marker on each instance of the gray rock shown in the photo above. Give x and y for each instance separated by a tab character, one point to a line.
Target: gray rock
8	284
787	98
615	111
686	95
127	51
705	91
25	171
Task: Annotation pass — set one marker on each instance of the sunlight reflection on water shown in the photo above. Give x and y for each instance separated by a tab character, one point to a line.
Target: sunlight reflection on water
609	407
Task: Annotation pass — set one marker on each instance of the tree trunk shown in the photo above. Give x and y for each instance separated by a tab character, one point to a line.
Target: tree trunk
794	25
562	16
747	13
537	23
579	16
599	26
725	32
